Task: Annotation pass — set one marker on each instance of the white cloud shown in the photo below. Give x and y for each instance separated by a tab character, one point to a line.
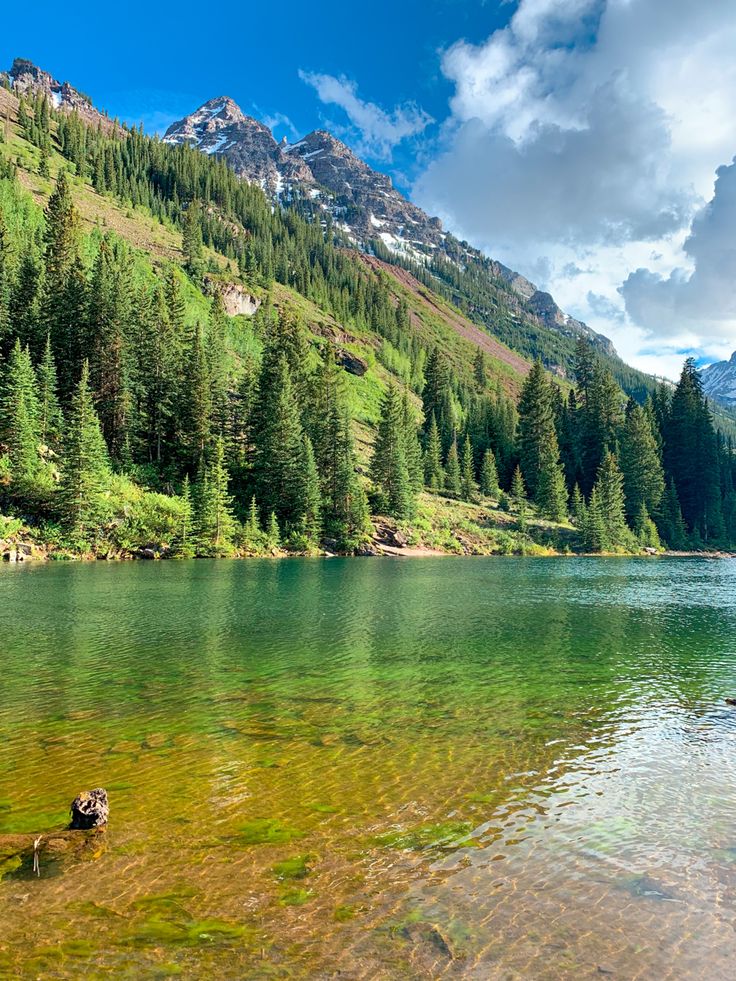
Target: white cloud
589	132
380	131
700	299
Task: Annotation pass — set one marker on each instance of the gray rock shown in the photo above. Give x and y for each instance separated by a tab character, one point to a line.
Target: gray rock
90	809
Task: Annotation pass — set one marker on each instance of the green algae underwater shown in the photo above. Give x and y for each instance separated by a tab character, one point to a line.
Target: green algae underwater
370	768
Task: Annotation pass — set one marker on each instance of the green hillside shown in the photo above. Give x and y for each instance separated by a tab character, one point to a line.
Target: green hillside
137	414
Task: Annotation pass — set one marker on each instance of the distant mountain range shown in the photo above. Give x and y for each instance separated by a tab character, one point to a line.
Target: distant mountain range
719	382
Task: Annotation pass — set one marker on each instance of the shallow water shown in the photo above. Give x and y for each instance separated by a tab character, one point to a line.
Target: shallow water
475	768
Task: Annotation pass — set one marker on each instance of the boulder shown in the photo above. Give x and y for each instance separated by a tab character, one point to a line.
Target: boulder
89	810
351	362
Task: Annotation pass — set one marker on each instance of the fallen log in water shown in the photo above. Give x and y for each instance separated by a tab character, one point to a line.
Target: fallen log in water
85	836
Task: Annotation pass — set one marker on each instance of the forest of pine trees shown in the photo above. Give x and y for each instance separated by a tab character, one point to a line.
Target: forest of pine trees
108	385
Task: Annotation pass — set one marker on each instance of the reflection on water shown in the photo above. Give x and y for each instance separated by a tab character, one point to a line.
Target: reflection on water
374	769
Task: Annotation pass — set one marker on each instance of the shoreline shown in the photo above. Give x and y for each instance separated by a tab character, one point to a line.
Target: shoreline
29	552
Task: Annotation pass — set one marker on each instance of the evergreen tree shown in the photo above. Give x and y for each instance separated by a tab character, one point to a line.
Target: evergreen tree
453	473
64	287
610	492
192	241
593	528
577	507
537	435
691	455
49	418
389	468
670	521
214	515
278	441
311	499
434	475
489	475
468	486
412	446
641	465
85	465
196	399
518	489
551	496
19	422
437	399
6	283
184	544
480	372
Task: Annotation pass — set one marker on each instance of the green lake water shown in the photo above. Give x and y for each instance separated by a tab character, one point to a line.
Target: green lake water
481	768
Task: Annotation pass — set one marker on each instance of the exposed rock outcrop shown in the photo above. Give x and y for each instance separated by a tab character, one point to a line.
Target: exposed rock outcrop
27	79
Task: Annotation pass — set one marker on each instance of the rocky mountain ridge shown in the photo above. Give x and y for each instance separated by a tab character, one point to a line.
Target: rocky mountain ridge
25	78
719	381
362	202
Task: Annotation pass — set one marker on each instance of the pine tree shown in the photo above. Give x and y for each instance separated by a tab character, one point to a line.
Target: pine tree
252	526
536	426
85	465
480	372
551	496
691	456
610	492
64	286
434	475
50	419
641	465
468	486
24	302
437	399
19	422
670	520
518	489
214	514
577	507
273	534
412	446
453	473
389	469
6	283
184	543
195	411
593	529
278	441
489	475
311	499
192	241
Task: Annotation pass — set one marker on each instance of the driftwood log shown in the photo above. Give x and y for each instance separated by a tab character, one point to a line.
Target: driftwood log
84	838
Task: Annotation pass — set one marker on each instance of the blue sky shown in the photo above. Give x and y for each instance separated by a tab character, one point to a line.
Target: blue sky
588	144
160	61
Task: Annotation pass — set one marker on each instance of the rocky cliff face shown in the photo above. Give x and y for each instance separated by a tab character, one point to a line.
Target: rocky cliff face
220	127
26	79
719	381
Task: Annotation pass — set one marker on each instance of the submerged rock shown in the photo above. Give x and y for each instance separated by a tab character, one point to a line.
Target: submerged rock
90	810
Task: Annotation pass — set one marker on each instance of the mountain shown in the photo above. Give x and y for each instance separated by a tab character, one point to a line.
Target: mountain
26	78
364	206
719	381
221	128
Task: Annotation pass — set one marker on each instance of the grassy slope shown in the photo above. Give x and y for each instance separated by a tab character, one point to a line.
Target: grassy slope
442	523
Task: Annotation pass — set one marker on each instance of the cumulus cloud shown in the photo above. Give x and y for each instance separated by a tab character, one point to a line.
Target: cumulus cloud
379	131
590	131
702	298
